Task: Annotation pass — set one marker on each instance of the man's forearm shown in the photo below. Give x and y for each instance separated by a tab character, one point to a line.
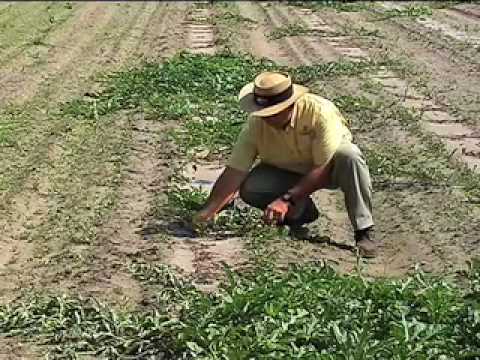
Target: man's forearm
224	189
316	179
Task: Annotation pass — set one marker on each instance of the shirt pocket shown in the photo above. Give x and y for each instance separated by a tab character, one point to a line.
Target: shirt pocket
304	145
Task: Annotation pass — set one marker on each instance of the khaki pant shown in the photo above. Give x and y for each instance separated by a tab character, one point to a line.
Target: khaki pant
350	174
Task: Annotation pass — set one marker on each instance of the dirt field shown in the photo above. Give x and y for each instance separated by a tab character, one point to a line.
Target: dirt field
82	201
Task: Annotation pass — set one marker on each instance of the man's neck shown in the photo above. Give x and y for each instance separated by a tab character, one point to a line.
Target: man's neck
288	121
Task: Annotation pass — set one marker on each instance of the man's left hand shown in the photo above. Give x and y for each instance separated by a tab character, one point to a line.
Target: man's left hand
275	212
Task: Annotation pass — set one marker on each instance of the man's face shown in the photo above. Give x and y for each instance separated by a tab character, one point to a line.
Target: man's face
280	120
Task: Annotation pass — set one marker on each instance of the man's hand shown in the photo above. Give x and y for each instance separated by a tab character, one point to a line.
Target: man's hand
275	212
202	218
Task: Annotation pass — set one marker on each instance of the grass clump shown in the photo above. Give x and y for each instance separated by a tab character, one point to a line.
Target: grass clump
300	30
306	312
311	312
29	24
199	90
231	18
289	30
183	201
340	6
75	327
409	11
8	125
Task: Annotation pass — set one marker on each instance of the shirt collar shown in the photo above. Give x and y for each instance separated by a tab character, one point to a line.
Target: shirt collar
293	118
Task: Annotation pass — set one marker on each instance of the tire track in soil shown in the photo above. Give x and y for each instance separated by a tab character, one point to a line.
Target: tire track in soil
107	51
137	31
120	51
76	71
471	13
451	83
419	251
301	52
21	217
202	259
29	209
21	79
450	42
13	349
124	236
401	250
16	223
256	41
452	65
436	26
463	140
157	43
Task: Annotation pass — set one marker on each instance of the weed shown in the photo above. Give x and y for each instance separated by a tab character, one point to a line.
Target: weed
30	25
443	4
9	123
289	30
170	292
311	310
76	327
229	22
183	201
309	73
304	312
23	145
349	30
409	11
230	18
200	90
38	41
340	6
300	30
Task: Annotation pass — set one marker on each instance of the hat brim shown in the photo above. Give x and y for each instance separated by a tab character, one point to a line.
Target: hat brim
247	101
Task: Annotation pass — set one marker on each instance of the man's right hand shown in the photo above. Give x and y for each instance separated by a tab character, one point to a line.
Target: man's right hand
223	191
202	218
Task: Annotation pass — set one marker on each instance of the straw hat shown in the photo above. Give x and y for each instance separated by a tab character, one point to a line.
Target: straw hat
269	94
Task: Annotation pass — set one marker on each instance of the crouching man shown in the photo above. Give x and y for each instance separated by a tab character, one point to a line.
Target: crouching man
303	144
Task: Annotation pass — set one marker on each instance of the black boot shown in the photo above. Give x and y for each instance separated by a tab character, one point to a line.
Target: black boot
297	227
365	242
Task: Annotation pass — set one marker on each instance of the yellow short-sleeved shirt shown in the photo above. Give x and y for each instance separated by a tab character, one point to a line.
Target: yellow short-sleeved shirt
310	140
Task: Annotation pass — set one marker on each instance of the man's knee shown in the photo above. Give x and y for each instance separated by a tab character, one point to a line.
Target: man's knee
251	191
348	154
266	183
247	190
251	195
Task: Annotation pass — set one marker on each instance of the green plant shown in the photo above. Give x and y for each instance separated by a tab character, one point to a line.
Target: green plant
409	11
289	30
183	201
230	18
72	327
340	6
8	124
306	312
199	90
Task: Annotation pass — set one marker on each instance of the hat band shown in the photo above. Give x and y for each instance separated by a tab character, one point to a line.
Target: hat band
267	101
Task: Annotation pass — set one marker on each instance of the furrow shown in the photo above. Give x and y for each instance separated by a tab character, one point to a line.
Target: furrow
464	148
